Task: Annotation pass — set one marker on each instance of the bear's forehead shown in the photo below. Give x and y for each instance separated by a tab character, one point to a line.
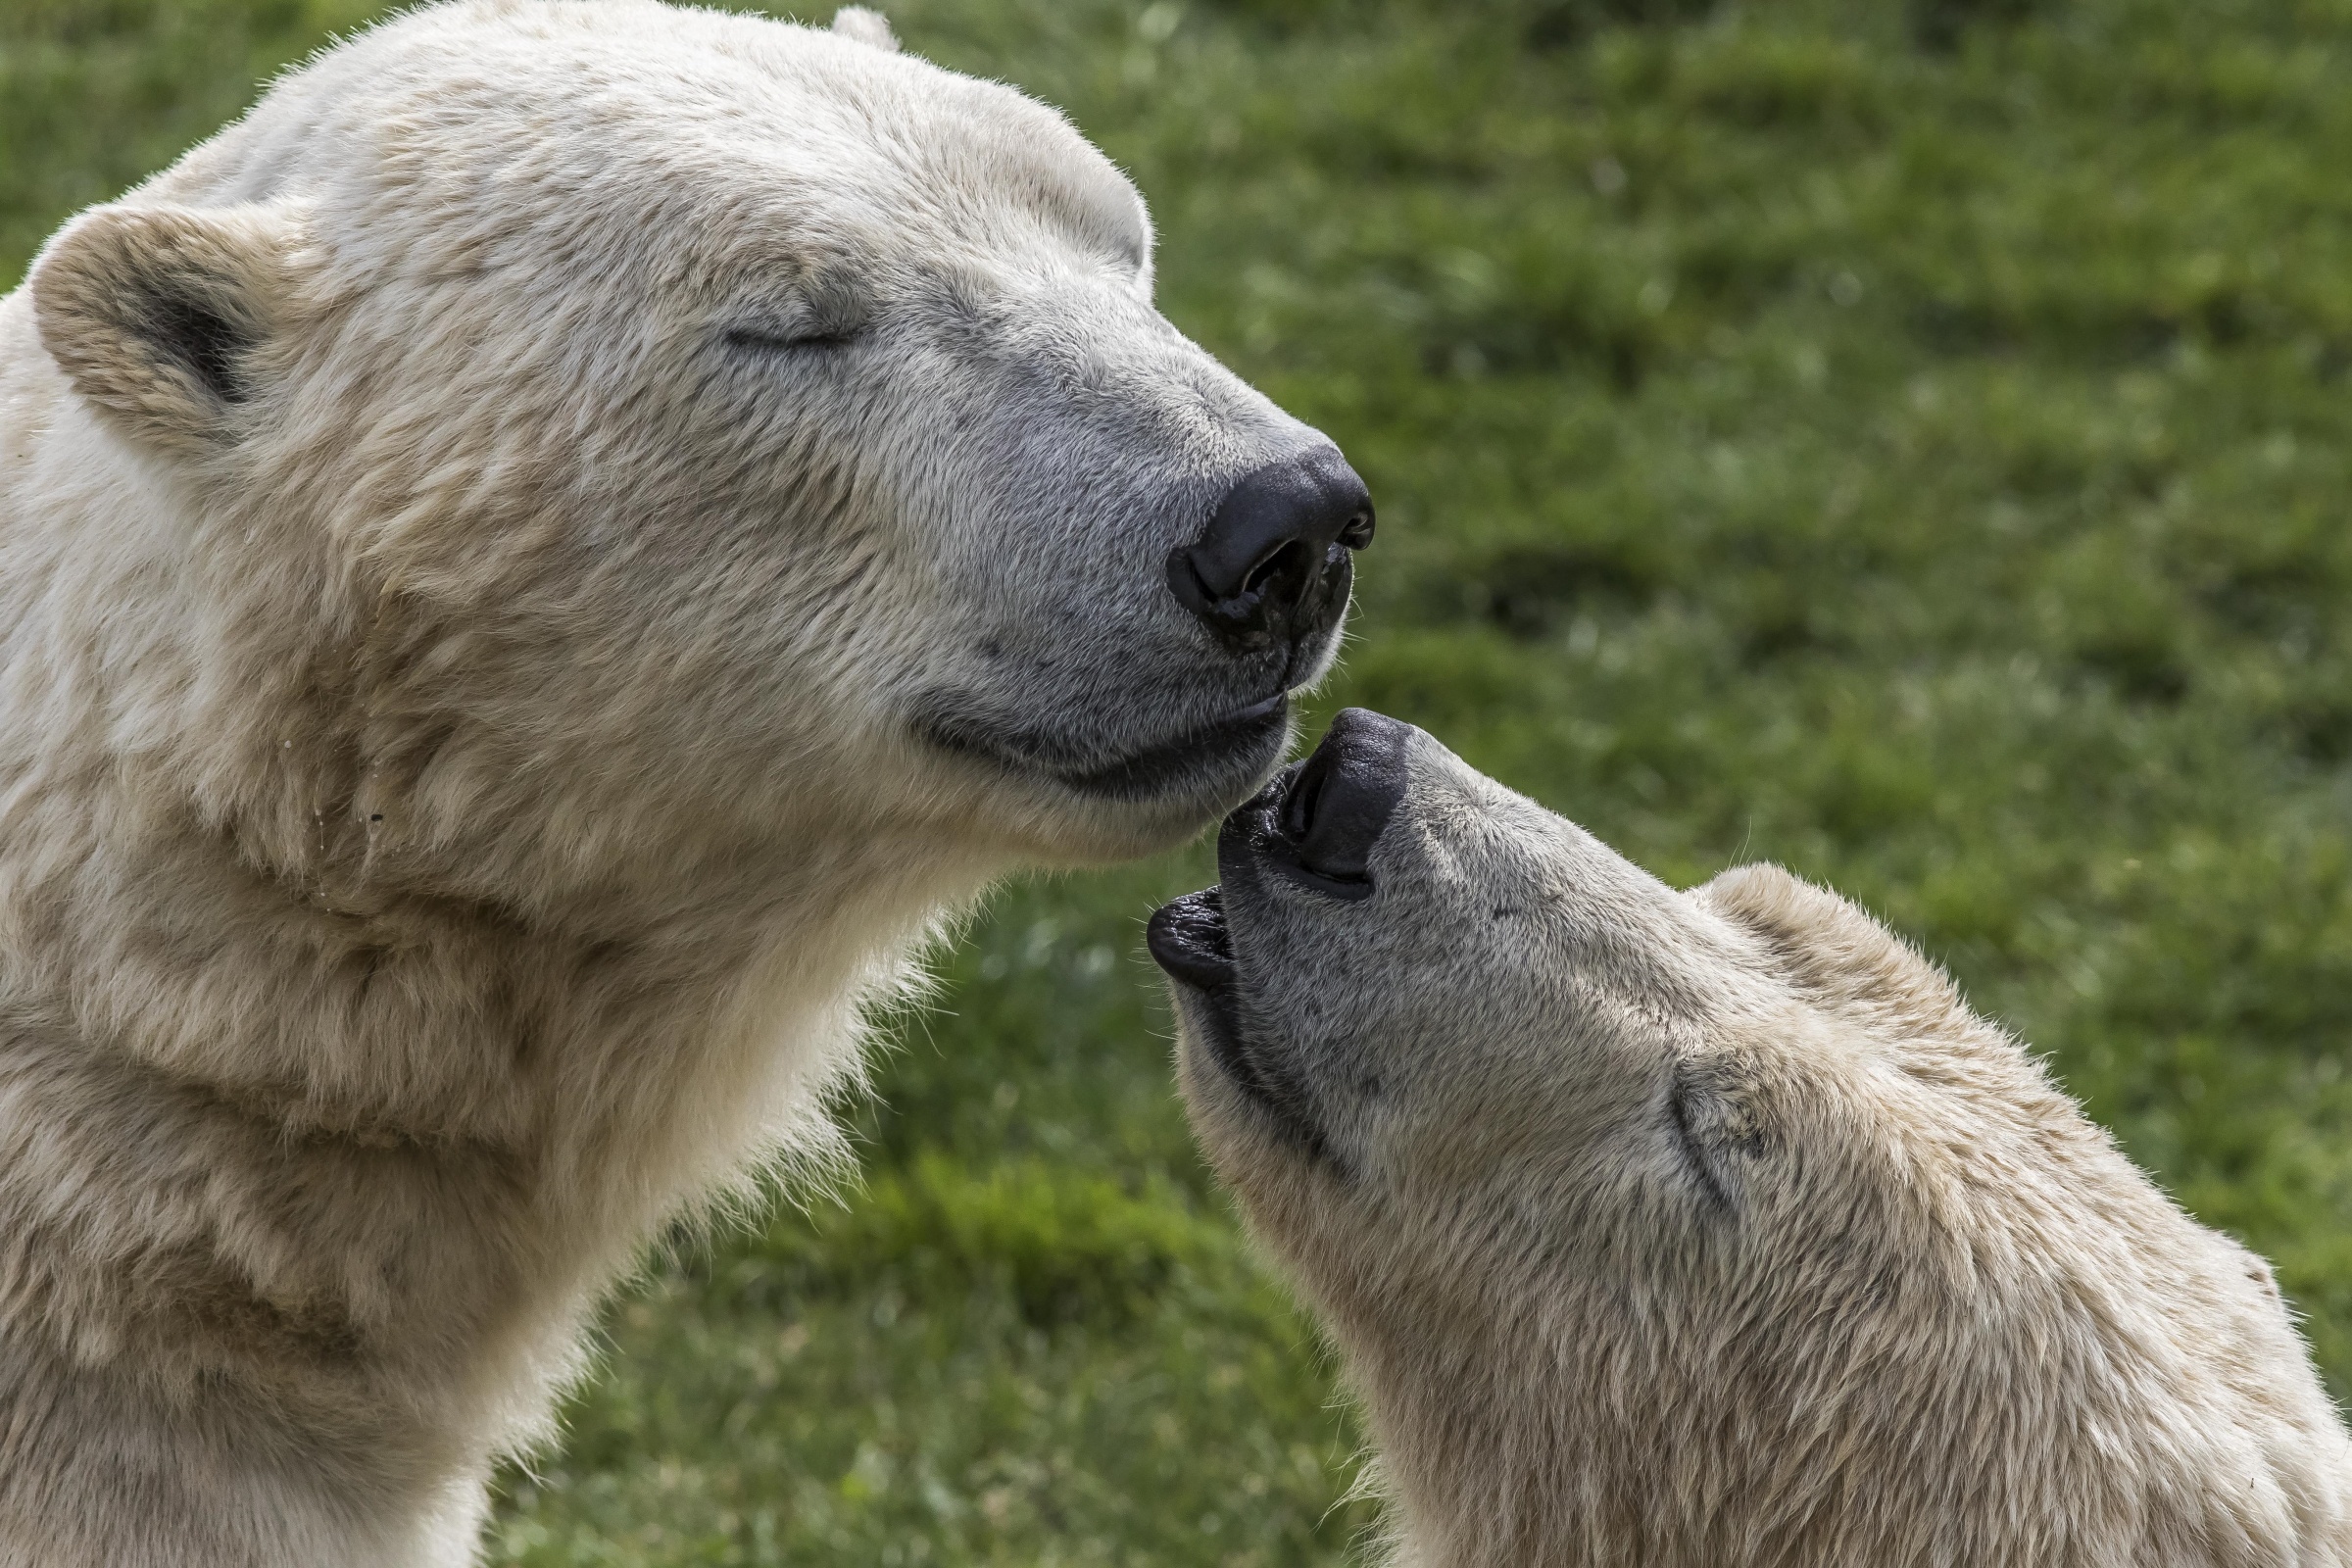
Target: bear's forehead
735	131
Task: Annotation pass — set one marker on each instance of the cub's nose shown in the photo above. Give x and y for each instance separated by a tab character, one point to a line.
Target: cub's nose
1275	563
1342	800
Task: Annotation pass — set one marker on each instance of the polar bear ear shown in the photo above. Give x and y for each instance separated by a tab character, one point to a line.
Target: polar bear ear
866	26
161	315
1832	947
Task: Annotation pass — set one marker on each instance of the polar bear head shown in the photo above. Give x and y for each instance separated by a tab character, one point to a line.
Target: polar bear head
1707	1227
568	423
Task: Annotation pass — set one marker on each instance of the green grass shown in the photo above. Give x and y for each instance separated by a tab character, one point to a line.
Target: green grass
1910	445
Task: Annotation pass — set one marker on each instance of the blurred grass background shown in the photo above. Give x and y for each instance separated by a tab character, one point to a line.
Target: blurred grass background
1906	442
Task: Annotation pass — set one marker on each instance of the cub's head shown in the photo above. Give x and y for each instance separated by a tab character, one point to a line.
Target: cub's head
598	417
1707	1226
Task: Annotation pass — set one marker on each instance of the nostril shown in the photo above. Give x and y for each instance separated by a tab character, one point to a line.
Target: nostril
1282	561
1339	803
1300	801
1184	572
1271	565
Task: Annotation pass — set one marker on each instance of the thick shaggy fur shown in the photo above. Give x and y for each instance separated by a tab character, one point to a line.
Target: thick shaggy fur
1713	1230
489	548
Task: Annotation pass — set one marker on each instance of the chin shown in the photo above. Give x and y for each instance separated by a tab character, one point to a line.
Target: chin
1089	810
1074	824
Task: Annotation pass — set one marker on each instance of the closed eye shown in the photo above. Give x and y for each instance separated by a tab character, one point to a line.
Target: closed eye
791	340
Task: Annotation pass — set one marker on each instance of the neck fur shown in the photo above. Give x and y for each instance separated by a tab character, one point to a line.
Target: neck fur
292	1099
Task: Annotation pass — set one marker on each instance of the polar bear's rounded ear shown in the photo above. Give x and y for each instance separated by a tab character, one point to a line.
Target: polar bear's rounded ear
1831	945
159	316
867	26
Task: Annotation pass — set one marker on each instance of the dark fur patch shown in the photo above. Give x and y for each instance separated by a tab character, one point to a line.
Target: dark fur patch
185	326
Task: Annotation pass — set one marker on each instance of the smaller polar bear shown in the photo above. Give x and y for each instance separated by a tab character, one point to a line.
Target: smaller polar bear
1707	1227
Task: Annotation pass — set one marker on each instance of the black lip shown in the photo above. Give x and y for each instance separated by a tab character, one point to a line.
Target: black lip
1190	940
1153	771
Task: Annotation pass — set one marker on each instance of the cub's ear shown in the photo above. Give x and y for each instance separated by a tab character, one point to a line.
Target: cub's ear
865	26
163	316
1832	948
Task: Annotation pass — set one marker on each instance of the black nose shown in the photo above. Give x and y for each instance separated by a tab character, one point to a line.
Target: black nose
1341	799
1275	563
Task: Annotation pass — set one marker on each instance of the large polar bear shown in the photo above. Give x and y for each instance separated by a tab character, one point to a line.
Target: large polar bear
1708	1229
532	569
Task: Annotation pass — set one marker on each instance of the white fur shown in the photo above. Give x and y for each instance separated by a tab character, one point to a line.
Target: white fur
1712	1230
481	541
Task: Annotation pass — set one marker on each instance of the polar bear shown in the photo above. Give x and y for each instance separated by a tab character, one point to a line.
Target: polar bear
1711	1227
533	568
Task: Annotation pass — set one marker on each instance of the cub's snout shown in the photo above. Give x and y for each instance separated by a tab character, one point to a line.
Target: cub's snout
1370	893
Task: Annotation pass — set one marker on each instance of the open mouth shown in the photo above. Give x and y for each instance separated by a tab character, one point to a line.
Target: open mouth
1210	756
1315	826
1190	939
